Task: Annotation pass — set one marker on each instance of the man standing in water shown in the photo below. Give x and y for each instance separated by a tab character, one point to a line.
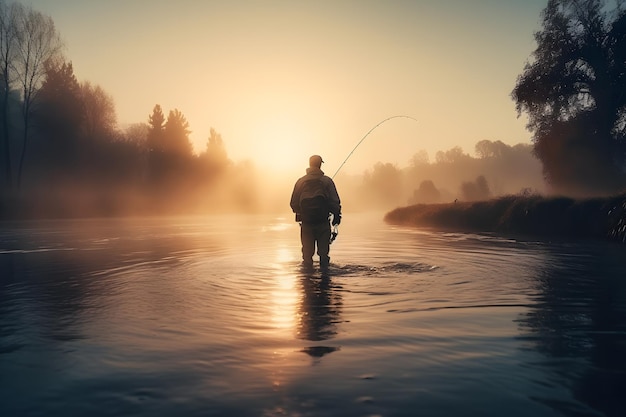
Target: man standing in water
313	199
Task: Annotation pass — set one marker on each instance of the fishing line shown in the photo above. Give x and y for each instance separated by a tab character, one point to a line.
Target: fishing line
335	230
367	134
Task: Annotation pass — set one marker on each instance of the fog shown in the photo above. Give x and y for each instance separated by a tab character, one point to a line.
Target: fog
496	169
204	185
78	163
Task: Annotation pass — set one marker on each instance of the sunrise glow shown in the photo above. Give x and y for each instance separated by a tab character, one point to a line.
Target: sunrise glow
280	81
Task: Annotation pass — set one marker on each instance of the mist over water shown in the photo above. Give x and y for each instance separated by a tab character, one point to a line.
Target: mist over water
213	316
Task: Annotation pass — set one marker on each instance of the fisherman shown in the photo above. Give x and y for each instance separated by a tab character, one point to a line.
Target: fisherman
314	199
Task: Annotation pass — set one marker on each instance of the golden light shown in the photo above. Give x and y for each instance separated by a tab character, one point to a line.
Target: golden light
283	145
282	122
284	294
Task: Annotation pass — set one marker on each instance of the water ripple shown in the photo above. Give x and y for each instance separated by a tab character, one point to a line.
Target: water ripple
215	317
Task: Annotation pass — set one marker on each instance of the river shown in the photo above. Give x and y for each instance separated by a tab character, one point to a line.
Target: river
212	316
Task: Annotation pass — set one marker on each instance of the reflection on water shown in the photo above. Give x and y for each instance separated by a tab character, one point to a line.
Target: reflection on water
320	314
579	324
212	316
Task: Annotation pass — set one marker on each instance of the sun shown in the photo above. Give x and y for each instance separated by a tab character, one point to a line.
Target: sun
284	154
285	146
282	127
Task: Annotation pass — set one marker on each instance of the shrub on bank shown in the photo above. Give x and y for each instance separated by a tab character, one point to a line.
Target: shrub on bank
530	215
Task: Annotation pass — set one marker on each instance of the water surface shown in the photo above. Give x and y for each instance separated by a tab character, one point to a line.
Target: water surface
212	316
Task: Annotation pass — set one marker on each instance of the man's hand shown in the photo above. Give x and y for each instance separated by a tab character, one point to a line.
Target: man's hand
336	219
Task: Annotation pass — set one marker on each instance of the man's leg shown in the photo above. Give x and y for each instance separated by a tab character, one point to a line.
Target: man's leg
322	235
307	237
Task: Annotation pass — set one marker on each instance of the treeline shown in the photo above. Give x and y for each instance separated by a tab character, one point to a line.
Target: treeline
63	153
497	169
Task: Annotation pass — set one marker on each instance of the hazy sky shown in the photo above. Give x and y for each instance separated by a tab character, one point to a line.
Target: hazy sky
281	80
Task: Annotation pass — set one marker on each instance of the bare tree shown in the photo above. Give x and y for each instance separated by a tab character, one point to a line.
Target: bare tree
37	43
8	36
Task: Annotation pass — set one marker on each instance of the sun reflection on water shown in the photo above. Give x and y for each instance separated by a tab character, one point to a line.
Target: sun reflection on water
284	295
285	298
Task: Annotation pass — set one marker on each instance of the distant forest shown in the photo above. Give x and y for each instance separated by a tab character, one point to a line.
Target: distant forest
497	169
63	154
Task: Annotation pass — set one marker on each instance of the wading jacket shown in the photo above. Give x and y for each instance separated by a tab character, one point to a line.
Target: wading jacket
327	187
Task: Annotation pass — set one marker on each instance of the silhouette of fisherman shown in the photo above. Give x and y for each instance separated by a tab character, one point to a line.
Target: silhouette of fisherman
320	311
314	199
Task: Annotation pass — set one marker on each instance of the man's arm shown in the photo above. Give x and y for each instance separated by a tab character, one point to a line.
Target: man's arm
334	202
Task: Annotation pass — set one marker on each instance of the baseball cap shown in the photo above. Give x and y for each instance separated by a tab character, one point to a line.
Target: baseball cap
315	160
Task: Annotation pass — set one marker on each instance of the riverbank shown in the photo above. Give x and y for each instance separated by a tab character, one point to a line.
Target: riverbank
524	215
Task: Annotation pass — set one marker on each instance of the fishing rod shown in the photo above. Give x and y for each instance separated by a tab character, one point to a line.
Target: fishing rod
367	134
335	230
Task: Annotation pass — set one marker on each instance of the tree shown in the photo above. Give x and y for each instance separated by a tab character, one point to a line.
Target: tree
451	156
573	93
384	184
215	158
8	36
176	135
137	133
475	191
37	44
99	111
426	193
419	158
156	127
482	187
170	152
489	149
58	116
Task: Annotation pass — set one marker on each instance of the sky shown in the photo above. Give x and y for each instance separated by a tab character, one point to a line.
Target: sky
282	80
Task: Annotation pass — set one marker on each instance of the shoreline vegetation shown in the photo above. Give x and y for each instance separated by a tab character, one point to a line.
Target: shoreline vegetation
601	217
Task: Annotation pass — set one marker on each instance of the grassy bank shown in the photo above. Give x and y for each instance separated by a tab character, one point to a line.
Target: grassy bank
532	215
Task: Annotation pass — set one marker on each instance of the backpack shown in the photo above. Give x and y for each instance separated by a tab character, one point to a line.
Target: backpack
314	206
